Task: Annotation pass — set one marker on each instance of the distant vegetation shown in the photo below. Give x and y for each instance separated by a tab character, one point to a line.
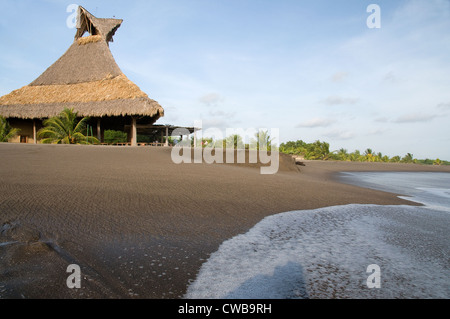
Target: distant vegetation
321	151
317	150
114	137
261	141
6	131
65	129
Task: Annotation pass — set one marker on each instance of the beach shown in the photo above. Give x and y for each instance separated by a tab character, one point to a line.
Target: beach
140	226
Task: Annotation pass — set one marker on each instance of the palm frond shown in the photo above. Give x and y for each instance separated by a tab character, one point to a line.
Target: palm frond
64	129
81	126
6	131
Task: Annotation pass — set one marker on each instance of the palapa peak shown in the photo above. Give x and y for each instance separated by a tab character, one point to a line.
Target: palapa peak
89	58
104	28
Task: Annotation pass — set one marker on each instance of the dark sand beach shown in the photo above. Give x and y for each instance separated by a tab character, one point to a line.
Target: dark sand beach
138	225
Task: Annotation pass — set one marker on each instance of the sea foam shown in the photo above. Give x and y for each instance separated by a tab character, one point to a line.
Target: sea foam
324	253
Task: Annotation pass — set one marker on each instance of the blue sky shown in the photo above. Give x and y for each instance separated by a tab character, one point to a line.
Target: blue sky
313	69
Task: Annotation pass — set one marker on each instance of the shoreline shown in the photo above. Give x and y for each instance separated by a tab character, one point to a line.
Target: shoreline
137	224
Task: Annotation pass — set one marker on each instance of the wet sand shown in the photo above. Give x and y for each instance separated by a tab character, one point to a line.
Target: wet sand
138	225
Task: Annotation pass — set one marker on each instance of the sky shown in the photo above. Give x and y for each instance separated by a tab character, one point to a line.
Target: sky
312	69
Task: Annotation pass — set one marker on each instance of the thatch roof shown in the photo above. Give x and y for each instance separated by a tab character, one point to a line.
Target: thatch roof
85	78
112	96
83	62
86	22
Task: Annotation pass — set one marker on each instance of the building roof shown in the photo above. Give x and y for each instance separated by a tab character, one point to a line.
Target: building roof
86	78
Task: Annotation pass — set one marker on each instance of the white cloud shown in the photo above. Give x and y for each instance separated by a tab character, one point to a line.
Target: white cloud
445	106
340	134
390	77
376	131
317	122
222	113
211	99
415	118
220	124
382	119
339	77
338	100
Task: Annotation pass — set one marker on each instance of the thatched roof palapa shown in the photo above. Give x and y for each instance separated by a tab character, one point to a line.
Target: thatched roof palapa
86	78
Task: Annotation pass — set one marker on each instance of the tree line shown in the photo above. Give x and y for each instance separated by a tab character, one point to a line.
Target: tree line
67	129
319	150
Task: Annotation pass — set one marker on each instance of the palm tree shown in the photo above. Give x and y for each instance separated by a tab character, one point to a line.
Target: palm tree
318	151
342	154
235	141
6	131
355	156
369	155
409	158
65	129
378	157
385	159
395	159
263	141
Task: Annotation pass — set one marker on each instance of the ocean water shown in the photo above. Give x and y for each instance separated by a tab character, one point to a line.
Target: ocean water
429	189
326	253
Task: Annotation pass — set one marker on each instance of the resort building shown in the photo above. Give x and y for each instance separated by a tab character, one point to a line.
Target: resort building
88	80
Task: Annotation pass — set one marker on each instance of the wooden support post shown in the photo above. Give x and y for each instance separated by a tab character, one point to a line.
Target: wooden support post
34	132
167	137
133	131
99	130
